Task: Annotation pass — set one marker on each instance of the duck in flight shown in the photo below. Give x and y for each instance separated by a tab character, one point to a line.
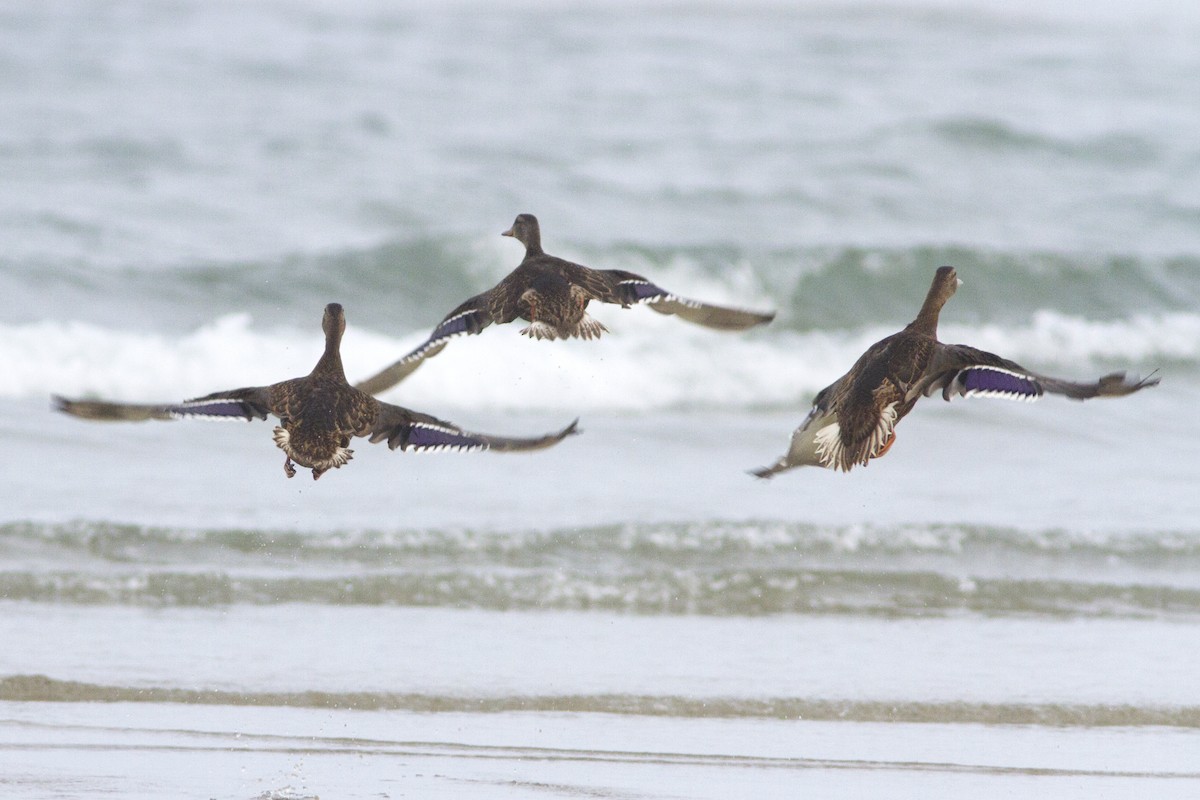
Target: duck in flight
319	414
854	418
553	294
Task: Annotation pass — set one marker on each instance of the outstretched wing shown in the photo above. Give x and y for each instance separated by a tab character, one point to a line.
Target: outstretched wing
627	289
961	371
412	430
108	411
397	371
251	402
469	318
248	403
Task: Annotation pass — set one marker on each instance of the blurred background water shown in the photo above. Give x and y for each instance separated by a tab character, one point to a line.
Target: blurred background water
184	185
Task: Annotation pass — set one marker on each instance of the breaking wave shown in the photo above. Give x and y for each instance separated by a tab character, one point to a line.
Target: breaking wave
646	366
716	569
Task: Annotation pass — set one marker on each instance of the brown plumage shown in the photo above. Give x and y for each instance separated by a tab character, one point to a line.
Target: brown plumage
319	414
854	418
553	294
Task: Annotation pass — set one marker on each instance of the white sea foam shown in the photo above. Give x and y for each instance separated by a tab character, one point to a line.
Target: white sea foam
648	362
81	358
1058	339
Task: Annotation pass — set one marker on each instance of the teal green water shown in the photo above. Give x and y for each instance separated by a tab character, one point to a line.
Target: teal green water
1004	606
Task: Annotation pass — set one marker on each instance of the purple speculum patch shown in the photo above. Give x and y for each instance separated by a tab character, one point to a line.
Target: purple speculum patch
990	380
421	436
215	408
641	290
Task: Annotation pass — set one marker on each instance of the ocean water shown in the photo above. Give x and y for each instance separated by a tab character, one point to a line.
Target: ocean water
1008	604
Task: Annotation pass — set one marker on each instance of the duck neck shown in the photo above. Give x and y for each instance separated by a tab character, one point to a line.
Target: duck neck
331	359
533	242
927	318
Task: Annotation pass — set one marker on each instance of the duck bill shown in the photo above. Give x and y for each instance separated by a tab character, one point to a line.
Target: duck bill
508	232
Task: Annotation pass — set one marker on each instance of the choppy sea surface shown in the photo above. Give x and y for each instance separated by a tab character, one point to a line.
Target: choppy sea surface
1008	604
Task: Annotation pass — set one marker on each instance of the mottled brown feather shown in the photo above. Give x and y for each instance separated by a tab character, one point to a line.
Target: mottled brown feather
850	422
320	413
552	294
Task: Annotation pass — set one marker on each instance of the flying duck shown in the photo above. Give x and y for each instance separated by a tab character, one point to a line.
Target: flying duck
553	294
319	414
854	418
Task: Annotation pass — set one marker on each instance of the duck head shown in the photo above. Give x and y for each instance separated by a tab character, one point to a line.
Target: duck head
333	323
526	231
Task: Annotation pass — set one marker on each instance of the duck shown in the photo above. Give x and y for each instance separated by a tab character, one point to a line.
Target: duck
552	294
319	414
853	420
